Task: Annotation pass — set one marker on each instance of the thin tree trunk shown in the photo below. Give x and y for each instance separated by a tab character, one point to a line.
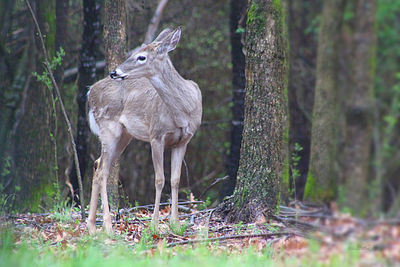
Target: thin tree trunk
87	76
237	26
323	173
301	86
263	150
115	45
360	108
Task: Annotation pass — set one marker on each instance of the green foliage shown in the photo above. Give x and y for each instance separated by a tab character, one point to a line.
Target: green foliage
62	210
295	161
45	76
240	30
101	250
178	229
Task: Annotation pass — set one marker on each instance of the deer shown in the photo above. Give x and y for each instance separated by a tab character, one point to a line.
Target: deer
147	99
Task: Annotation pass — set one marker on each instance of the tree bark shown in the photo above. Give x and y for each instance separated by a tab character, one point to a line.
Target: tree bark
359	108
323	172
115	46
301	86
61	35
87	76
237	26
33	153
263	148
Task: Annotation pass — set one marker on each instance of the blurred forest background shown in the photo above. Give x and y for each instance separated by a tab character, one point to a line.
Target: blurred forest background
356	88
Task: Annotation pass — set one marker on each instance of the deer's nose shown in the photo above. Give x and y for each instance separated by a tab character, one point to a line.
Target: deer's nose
113	74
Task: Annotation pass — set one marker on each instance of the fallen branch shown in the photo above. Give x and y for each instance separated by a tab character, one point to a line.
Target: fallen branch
193	241
217	181
67	121
150	206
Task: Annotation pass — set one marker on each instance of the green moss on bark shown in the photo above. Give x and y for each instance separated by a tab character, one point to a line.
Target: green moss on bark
263	152
256	16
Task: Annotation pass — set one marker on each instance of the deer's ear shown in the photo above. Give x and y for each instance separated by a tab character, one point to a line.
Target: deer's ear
170	42
176	36
163	34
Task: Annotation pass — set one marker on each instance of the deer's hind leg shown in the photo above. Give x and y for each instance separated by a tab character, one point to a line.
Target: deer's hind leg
157	150
112	144
120	147
177	155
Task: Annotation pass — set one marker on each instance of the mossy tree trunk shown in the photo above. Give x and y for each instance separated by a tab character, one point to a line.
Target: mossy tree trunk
323	171
360	108
301	87
263	150
34	149
115	45
237	31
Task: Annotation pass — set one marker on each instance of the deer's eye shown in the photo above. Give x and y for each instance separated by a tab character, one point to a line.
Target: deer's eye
141	58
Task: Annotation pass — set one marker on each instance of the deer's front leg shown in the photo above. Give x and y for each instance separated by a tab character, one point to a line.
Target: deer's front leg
157	149
177	156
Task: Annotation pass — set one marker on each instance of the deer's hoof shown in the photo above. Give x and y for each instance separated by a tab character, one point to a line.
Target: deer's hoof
107	227
91	228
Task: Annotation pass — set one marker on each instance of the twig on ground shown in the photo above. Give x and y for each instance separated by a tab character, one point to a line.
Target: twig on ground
208	221
193	241
150	206
47	64
217	181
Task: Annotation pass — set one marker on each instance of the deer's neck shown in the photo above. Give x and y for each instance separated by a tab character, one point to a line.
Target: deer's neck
178	94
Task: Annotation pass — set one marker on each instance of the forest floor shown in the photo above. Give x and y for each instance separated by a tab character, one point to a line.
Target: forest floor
300	235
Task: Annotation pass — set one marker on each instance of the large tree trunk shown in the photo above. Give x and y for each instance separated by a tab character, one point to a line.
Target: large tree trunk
237	25
323	172
87	76
301	86
359	108
263	150
115	40
34	150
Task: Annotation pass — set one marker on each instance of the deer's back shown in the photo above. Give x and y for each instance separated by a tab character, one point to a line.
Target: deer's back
134	103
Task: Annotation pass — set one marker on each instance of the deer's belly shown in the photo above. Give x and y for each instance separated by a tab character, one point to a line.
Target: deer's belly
135	127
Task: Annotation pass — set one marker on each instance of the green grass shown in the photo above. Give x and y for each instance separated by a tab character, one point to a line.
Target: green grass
103	250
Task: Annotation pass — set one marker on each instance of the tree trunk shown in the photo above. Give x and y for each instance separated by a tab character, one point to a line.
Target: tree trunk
301	86
263	148
33	153
87	76
61	35
323	172
237	25
359	108
115	45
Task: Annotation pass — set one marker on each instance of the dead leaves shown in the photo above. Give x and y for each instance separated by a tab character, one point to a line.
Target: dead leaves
332	234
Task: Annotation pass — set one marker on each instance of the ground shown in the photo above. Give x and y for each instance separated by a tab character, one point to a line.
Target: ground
299	234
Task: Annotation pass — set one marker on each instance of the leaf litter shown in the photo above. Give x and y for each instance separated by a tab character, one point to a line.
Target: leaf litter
299	230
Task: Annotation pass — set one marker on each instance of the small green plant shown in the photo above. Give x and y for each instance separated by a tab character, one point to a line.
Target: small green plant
238	227
146	238
62	211
178	229
272	228
205	205
294	167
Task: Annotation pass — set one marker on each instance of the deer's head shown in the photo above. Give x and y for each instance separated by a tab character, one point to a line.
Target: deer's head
144	61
